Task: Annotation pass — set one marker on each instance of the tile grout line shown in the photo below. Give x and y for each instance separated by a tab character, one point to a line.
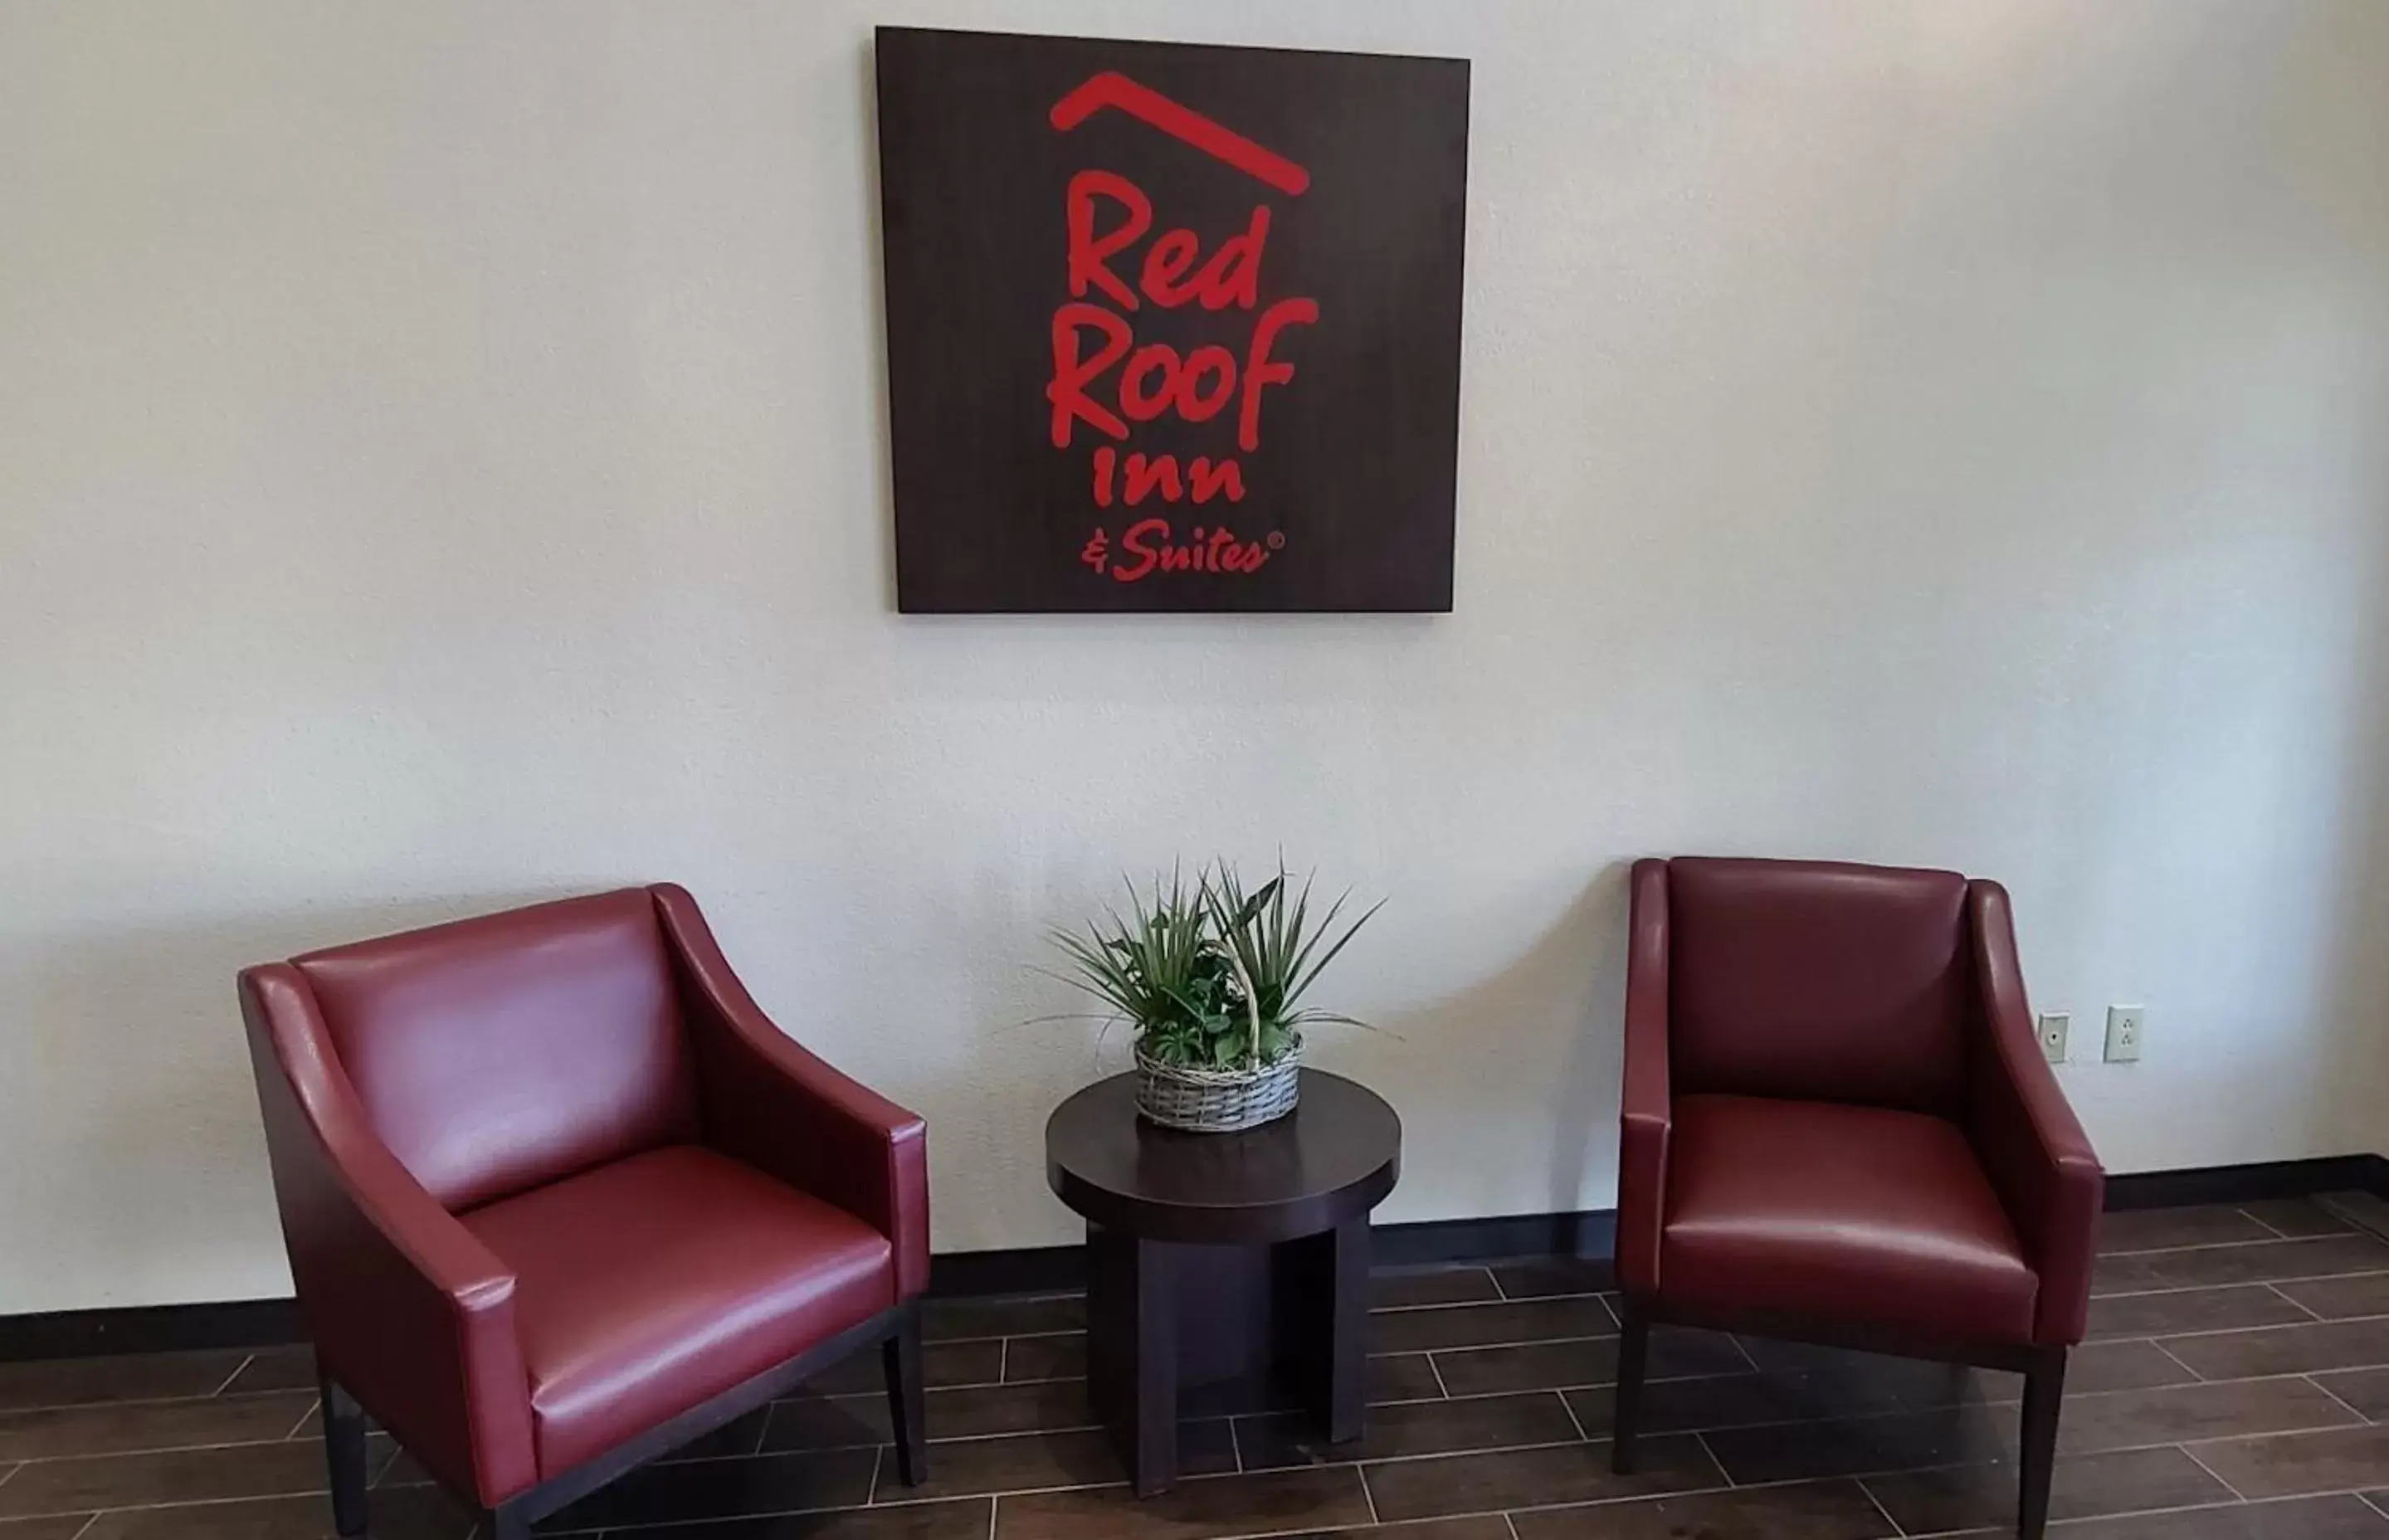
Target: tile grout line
1313	1529
994	1501
149	1449
2275	1238
1750	1365
1527	1391
2308	1377
1518	1342
105	1509
1366	1496
2167	1353
1788	1481
1501	1296
1432	1357
1860	1477
1568	1407
2010	1403
1699	1436
119	1401
2261	1222
311	1407
1510	1524
2237	1284
1702	1440
1461	1303
239	1369
1618	1501
2226	1487
1897	1527
1614	1500
1890	1412
2307	1310
1051	1429
1507	1515
2359	1215
1120	1484
87	1529
1497	1300
2139	1513
1444	1395
2252	1330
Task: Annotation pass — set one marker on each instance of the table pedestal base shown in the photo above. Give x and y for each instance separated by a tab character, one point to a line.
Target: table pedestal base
1175	1329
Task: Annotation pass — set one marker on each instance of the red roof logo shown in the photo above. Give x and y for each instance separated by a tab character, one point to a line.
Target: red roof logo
1113	89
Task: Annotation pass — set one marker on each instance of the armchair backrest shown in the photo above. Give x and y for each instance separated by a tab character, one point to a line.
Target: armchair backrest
500	1053
1818	980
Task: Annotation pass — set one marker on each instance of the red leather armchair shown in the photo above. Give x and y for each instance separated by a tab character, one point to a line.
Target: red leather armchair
559	1198
1838	1127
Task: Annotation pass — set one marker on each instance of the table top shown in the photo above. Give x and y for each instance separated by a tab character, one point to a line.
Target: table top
1333	1158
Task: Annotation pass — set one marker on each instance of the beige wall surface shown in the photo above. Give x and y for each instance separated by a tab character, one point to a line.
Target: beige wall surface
443	463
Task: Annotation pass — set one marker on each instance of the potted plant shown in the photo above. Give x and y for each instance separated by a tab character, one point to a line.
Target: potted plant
1211	979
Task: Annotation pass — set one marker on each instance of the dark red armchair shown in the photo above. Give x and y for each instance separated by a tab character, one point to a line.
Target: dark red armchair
559	1198
1838	1128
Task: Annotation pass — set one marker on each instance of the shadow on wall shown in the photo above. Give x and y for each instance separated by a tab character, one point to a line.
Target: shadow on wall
2356	991
1590	1090
1566	988
876	236
138	1180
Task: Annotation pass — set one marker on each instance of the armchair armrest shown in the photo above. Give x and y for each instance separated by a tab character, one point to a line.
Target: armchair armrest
1645	1116
409	1312
782	1110
2028	1136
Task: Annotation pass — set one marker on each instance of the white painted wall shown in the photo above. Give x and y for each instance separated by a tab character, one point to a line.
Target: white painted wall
442	464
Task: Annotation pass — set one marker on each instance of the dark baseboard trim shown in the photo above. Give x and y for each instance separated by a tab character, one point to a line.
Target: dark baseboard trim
2249	1184
151	1328
1021	1270
1051	1269
1590	1233
1586	1233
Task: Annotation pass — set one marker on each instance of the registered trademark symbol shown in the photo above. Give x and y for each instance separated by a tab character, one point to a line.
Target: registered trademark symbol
1277	539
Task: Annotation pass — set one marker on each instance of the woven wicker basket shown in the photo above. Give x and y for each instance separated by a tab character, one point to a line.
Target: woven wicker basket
1217	1101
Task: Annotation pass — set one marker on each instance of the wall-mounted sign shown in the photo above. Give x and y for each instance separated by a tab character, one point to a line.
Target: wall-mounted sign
1171	327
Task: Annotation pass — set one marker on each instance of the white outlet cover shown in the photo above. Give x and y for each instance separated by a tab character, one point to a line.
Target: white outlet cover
2126	1032
2056	1031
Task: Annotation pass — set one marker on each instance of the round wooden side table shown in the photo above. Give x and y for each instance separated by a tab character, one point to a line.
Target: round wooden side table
1225	1272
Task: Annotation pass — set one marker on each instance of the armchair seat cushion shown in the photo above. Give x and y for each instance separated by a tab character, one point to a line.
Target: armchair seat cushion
1839	1213
652	1284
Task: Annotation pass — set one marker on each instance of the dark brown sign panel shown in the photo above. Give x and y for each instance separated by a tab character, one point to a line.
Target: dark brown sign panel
1171	327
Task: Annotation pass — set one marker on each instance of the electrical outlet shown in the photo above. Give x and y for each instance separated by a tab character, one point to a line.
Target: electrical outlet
2126	1024
2056	1026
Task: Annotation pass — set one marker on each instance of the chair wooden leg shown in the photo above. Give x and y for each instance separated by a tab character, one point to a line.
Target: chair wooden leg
344	1455
1634	1349
2044	1392
902	1355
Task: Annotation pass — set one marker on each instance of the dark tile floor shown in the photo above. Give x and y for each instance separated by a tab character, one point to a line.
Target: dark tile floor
2237	1388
